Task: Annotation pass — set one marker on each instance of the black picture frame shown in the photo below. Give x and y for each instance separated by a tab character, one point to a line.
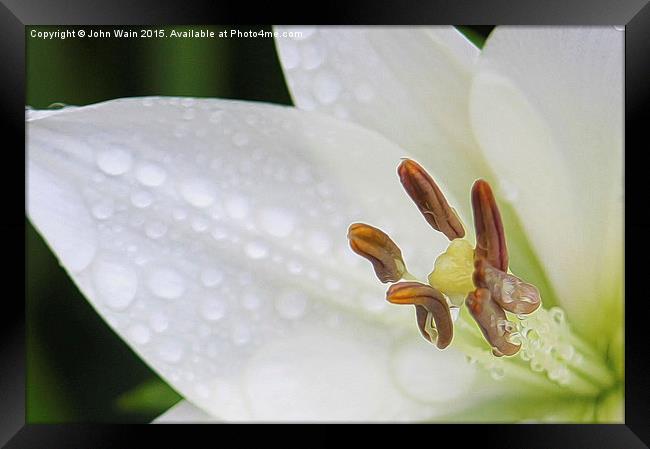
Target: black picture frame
635	14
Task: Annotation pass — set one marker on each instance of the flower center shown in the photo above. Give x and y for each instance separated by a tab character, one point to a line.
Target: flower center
501	309
475	276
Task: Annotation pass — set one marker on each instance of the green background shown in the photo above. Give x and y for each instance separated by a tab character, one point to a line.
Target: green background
77	368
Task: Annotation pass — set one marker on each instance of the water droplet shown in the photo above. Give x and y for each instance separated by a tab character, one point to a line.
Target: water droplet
179	214
115	283
219	234
189	114
200	224
497	372
291	304
159	322
114	161
155	229
166	283
241	335
103	209
251	301
364	93
240	139
294	267
290	55
216	116
171	350
150	175
213	309
312	56
326	87
198	192
525	355
256	250
211	277
140	334
277	222
319	242
536	366
558	315
141	199
237	207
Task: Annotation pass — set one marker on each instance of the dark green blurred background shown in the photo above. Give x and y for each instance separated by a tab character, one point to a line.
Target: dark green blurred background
77	368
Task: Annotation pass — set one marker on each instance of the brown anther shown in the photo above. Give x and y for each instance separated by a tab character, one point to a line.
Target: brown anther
429	199
374	245
430	307
490	236
491	318
510	292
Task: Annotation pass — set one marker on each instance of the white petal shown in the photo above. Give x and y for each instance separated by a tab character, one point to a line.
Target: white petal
409	84
184	413
211	235
547	110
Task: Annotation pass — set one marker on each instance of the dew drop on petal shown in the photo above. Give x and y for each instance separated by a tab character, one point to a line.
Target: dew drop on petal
241	335
294	267
237	207
103	209
240	139
166	283
200	224
256	250
198	192
116	284
114	161
291	304
159	322
141	199
364	93
251	301
155	229
290	55
319	242
151	175
213	309
497	372
326	87
211	277
277	222
170	350
140	334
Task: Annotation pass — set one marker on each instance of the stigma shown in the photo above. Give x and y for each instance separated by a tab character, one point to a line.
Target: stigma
476	276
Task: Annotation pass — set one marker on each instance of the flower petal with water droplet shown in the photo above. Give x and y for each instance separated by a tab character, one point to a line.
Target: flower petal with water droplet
214	286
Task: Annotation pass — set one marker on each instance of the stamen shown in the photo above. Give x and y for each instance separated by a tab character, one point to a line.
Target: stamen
374	245
510	292
491	318
429	304
429	199
490	236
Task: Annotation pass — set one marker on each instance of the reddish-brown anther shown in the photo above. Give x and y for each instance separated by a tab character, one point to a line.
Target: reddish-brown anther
490	236
430	305
429	199
510	292
374	245
491	318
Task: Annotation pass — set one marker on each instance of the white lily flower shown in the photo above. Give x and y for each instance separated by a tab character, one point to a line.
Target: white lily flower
211	234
